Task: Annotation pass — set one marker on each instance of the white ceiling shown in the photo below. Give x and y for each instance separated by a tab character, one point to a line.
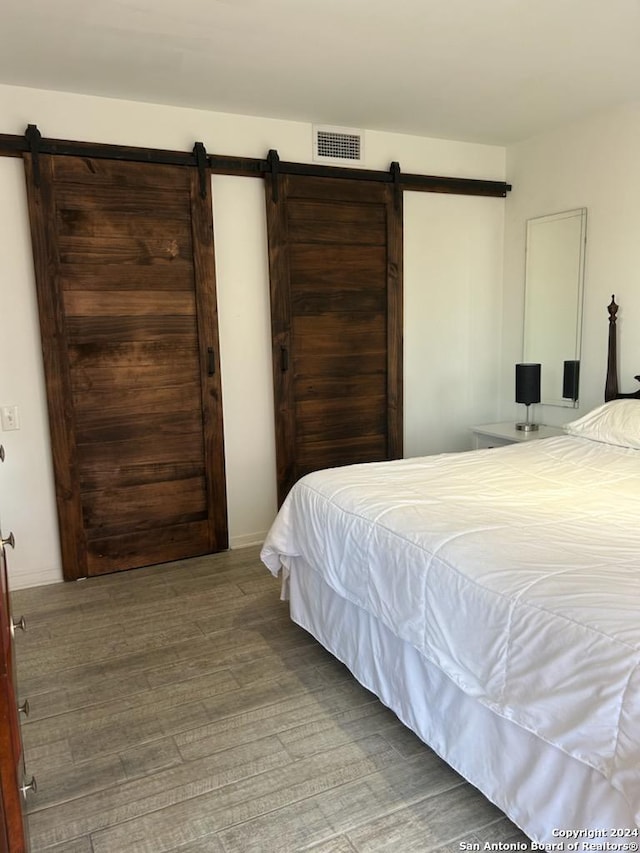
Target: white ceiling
492	71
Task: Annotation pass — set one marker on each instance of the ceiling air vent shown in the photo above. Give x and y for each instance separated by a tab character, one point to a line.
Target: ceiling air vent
337	145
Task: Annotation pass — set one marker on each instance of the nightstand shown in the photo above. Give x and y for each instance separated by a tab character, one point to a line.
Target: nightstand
497	435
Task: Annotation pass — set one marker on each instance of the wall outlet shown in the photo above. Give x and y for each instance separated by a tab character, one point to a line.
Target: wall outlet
9	416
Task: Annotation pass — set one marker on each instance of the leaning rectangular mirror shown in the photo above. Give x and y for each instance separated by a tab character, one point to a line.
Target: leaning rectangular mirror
554	279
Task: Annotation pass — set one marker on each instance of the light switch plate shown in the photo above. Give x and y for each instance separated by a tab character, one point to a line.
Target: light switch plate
9	416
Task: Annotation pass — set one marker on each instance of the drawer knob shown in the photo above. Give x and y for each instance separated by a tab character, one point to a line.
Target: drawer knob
1	452
29	786
24	708
10	540
21	623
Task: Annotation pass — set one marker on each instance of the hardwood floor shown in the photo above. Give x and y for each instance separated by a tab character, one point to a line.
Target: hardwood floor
177	708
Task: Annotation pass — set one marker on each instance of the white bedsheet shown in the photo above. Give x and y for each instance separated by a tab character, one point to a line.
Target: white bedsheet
515	570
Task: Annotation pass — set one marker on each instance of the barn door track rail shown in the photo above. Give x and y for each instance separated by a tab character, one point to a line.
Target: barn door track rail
34	143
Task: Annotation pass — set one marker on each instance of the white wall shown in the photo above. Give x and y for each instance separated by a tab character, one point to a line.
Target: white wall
594	164
245	355
452	306
452	329
27	493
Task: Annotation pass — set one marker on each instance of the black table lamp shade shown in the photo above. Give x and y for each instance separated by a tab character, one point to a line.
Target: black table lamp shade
528	383
570	380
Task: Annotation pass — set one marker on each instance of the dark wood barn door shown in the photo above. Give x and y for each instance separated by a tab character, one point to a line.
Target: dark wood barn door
335	253
124	262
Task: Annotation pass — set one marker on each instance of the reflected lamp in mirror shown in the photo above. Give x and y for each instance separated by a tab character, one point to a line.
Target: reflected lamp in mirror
570	380
528	377
553	296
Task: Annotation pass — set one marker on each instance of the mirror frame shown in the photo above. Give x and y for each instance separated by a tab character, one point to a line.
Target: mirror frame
546	295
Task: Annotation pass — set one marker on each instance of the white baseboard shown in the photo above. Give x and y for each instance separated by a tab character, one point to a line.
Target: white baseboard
26	578
247	539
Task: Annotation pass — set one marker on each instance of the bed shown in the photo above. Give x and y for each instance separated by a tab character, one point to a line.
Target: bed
492	600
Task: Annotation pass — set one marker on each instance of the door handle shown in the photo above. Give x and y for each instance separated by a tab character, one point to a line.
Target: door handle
29	786
211	361
21	623
284	359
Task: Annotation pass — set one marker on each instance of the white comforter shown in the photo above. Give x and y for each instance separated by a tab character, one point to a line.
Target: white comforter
515	570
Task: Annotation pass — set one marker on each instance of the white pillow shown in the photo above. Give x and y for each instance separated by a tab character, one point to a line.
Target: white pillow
616	422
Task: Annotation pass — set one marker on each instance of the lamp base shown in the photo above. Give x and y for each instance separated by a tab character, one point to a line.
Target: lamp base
525	426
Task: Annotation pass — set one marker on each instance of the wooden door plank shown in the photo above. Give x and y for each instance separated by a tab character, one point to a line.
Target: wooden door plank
394	323
93	172
112	475
279	286
327	387
331	366
154	277
82	330
207	320
135	354
340	334
94	224
147	548
141	451
127	251
341	267
123	426
54	332
336	189
330	452
135	397
344	212
131	392
143	506
351	298
351	233
117	303
139	201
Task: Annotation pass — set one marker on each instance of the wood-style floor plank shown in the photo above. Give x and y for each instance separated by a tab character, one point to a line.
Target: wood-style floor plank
177	709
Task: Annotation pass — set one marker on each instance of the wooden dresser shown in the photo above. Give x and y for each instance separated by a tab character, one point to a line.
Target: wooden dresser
13	784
